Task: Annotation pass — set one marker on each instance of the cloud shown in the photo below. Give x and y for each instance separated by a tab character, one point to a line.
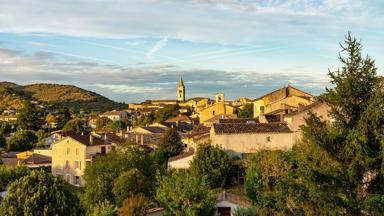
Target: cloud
40	44
137	83
160	44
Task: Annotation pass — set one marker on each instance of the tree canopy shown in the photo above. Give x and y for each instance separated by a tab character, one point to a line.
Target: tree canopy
29	118
22	140
247	111
39	193
170	144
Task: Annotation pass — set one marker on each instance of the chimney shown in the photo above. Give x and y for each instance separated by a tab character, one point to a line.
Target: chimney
90	139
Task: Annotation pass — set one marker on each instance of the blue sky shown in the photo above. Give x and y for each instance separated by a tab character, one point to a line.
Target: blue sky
132	50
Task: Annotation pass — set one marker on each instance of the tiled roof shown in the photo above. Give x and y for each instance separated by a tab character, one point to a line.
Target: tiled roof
198	130
114	112
190	152
216	118
306	108
86	140
154	129
251	128
37	159
111	138
232	198
238	121
181	118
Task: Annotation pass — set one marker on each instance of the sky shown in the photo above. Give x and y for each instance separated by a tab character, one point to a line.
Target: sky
133	50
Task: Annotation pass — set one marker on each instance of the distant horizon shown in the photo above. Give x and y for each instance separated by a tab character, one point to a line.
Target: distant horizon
134	50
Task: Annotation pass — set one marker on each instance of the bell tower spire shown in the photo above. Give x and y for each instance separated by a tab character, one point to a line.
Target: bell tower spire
181	91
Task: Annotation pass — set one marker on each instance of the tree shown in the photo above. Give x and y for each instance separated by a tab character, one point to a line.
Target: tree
213	163
171	144
3	142
39	193
50	118
41	135
8	175
103	209
75	125
129	183
247	111
183	194
104	174
134	206
29	117
22	140
167	112
103	122
338	168
63	116
143	120
117	126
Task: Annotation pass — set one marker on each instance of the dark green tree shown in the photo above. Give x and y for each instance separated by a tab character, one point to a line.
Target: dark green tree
136	205
171	144
62	117
76	125
213	163
3	142
103	122
29	117
41	135
167	112
247	111
22	140
117	126
39	193
104	209
183	194
144	120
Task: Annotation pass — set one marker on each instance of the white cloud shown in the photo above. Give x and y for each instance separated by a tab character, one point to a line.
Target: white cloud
160	44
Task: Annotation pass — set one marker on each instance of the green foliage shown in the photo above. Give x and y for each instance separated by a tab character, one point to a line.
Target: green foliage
338	169
247	111
171	144
167	112
129	183
63	116
29	117
103	122
241	211
41	135
39	193
103	176
3	142
182	194
213	163
103	209
8	175
6	128
22	140
76	125
144	120
136	205
117	126
50	118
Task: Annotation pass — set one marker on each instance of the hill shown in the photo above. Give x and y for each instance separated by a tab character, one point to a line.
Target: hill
55	96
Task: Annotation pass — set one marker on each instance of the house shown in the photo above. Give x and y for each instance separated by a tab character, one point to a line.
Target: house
149	130
226	203
181	161
27	158
72	154
241	139
115	115
296	119
281	101
220	107
181	118
215	119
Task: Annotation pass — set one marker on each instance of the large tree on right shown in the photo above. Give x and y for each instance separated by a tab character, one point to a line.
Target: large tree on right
338	168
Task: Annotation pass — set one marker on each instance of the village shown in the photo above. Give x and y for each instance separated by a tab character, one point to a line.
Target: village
271	122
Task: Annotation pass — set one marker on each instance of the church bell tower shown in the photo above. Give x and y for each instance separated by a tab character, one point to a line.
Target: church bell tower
181	91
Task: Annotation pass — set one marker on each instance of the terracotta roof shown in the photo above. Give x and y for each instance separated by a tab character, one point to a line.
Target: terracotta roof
306	108
86	140
200	129
111	138
238	121
216	118
289	86
37	159
251	128
180	118
114	112
190	152
154	129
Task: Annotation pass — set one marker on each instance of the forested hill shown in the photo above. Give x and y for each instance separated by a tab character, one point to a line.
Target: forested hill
54	95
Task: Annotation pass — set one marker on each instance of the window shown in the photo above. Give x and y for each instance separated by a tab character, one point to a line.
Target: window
268	138
213	112
67	164
261	109
68	178
77	180
77	151
68	151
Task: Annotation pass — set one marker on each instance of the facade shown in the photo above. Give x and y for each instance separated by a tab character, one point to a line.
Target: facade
181	91
226	203
71	155
115	115
281	101
297	119
220	107
181	161
241	139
